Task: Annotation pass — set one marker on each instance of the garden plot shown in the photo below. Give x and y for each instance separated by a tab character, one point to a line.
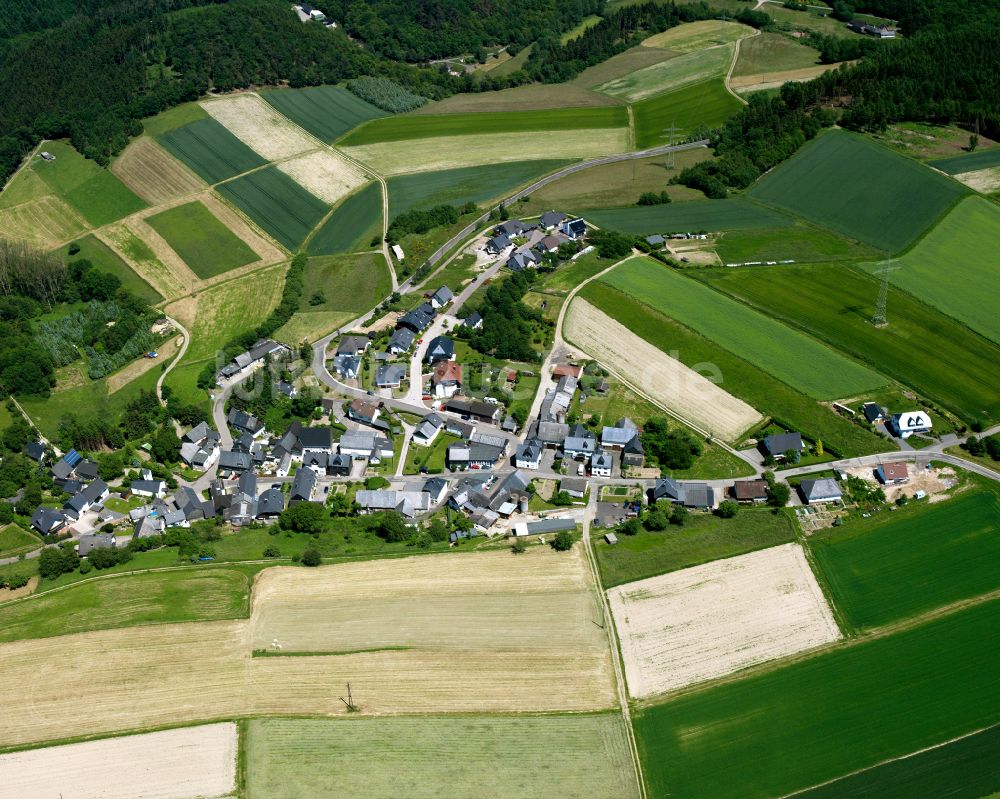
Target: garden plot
259	126
325	174
709	621
186	763
152	173
664	379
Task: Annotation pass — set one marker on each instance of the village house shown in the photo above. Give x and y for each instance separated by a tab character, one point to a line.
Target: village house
271	503
441	297
303	485
529	454
363	412
892	473
406	503
427	430
400	341
417	320
391	375
602	464
818	491
497	244
551	219
911	423
580	443
778	445
576	487
753	491
88	543
446	379
474	409
48	521
473	321
436	488
353	345
441	348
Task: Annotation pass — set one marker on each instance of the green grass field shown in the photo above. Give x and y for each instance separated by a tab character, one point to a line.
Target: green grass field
710	215
529	97
173	118
14	541
201	240
954	269
707	104
349	284
150	598
474	184
690	36
702	539
587	22
97	194
818	719
970	162
440	757
741	378
696	67
103	258
772	52
856	187
800	242
404	128
352	225
327	112
620	66
835	302
968	768
915	560
279	205
790	356
211	151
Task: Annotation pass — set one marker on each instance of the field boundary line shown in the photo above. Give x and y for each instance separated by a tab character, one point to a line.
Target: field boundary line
887	761
732	67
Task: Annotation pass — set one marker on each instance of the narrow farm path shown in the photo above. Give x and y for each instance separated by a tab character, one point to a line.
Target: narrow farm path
732	66
177	358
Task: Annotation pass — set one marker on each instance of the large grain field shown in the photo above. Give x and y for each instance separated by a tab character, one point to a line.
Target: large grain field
327	112
706	104
694	67
324	173
210	150
850	184
710	215
823	717
666	380
918	559
699	35
206	245
45	222
503	757
259	126
709	621
790	356
355	224
184	763
530	97
451	152
152	173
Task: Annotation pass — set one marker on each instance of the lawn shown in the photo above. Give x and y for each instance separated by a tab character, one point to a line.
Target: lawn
706	104
772	52
968	768
349	285
475	184
619	66
708	215
352	225
93	191
455	274
587	22
820	718
970	162
327	112
703	538
431	458
954	269
503	757
404	128
279	205
201	240
800	243
854	186
103	258
211	151
696	67
741	378
173	118
836	302
163	597
790	356
917	559
14	541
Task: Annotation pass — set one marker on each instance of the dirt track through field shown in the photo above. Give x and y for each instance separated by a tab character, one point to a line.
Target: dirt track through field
709	621
637	362
186	763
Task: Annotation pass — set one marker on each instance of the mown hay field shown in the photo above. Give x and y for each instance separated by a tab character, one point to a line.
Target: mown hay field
696	67
531	97
259	126
475	184
211	151
168	275
772	52
353	224
802	243
918	559
277	204
954	269
703	538
708	621
95	193
407	128
126	601
707	104
619	66
325	174
184	763
206	245
643	366
985	181
699	35
152	173
836	302
796	726
46	222
740	377
711	215
503	757
850	184
775	80
451	152
789	355
327	112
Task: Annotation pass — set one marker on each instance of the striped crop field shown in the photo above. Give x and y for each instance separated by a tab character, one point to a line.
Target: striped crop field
707	104
210	150
352	225
327	112
709	215
787	354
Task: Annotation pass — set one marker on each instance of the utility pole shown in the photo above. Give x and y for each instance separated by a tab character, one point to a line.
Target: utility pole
881	319
670	132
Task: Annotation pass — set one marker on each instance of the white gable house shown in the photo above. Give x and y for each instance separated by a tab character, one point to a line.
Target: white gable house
905	425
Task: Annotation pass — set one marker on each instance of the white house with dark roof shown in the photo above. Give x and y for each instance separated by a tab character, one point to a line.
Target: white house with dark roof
442	297
427	430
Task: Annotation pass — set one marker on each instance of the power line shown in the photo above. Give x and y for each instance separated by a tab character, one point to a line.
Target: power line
880	319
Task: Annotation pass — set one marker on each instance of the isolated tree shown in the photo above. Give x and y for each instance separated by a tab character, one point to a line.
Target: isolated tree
303	517
630	527
656	520
562	541
727	509
519	547
678	515
311	557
